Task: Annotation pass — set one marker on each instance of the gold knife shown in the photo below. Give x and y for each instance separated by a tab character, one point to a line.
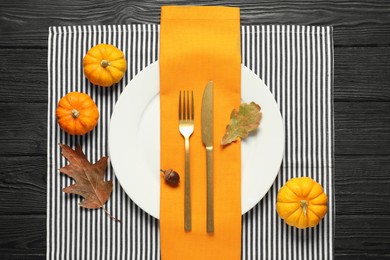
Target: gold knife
207	137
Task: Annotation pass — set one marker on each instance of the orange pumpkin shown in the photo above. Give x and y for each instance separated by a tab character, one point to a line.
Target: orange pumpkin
301	202
104	65
77	113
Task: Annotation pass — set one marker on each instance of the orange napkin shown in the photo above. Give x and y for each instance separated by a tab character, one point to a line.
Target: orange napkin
199	44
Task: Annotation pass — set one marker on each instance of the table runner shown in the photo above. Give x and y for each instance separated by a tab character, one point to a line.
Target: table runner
209	39
295	62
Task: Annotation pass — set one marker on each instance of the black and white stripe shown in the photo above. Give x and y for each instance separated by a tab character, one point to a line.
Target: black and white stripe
295	62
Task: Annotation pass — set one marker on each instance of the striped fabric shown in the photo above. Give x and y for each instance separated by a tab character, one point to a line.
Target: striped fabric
295	62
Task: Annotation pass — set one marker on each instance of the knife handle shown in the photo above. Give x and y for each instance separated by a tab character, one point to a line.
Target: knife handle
210	193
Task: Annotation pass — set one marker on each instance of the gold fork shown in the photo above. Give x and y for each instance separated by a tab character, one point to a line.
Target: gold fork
186	128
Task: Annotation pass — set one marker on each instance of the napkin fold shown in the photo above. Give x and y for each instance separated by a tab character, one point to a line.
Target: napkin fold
199	44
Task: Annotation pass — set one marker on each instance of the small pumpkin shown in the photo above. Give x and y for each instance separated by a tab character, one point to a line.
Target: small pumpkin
77	113
104	65
302	202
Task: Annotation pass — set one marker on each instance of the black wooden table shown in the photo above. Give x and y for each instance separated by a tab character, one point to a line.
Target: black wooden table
362	109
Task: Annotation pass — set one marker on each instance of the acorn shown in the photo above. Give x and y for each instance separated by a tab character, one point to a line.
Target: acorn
171	177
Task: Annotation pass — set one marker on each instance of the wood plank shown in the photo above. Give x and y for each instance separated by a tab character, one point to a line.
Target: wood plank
362	185
353	170
23	129
355	22
31	256
22	235
360	74
362	128
23	185
362	235
355	234
353	256
23	75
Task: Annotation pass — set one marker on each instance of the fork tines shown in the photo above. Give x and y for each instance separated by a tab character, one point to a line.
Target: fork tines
186	112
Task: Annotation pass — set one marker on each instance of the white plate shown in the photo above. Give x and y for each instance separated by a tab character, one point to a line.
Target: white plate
134	137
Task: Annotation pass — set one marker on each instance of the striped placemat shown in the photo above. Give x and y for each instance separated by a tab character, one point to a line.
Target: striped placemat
295	62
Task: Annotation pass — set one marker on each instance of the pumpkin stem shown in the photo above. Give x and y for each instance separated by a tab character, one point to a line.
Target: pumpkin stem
304	206
75	113
104	63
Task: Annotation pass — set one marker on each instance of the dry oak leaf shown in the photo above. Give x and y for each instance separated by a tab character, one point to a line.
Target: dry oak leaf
89	178
243	121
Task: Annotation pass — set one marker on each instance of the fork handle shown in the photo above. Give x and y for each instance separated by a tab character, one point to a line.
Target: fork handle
210	193
187	188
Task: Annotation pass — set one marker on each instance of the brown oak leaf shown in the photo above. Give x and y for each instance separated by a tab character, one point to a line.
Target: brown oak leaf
242	121
89	178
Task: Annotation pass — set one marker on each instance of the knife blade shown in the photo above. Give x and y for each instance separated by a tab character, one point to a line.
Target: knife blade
207	138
